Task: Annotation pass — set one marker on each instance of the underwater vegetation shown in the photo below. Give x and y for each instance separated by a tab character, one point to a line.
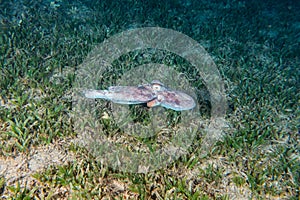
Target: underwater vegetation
255	46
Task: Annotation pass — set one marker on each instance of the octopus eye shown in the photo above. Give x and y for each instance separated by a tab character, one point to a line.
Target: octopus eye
156	87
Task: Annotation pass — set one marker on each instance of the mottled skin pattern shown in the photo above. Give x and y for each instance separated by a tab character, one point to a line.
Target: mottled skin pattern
171	99
153	94
131	95
123	94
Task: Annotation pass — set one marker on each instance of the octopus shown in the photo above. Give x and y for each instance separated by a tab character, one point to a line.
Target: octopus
153	94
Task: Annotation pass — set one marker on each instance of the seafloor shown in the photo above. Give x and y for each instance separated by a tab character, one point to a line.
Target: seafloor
254	47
